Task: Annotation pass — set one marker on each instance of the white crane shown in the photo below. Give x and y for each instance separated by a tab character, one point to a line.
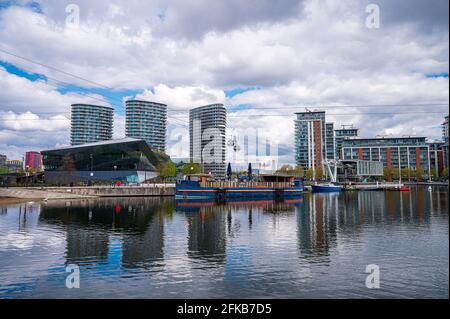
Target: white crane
333	174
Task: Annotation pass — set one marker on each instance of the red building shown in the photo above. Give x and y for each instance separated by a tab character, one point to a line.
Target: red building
33	160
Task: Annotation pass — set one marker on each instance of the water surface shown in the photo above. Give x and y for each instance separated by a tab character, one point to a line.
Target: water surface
317	246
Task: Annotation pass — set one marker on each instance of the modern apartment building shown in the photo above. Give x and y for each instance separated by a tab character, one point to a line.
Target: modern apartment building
445	137
347	131
445	134
91	123
393	152
147	120
207	129
3	159
14	165
314	140
330	141
33	160
436	157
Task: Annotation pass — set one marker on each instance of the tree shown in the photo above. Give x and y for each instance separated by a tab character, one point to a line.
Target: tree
433	174
171	169
394	174
310	174
419	174
67	164
289	169
285	169
445	173
319	174
166	169
299	170
30	170
407	173
191	168
160	169
387	173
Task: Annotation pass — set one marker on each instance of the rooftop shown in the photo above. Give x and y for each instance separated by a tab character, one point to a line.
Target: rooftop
108	142
94	105
386	137
143	101
306	112
207	106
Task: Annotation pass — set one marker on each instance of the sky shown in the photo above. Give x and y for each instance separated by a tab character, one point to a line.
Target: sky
264	60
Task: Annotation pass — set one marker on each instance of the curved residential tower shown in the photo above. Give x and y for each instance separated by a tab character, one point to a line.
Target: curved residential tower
91	123
147	120
207	126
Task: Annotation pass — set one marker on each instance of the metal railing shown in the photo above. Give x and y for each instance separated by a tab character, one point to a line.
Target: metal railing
227	184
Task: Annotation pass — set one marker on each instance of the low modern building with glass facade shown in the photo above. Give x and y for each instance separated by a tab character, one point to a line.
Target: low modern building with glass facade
127	160
359	170
393	152
91	123
147	120
207	129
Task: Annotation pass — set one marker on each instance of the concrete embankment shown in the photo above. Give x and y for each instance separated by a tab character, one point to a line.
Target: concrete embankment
87	192
427	183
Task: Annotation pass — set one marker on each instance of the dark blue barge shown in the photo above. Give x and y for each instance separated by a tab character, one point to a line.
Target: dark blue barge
269	187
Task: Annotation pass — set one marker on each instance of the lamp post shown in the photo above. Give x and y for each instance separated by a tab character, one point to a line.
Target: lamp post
92	165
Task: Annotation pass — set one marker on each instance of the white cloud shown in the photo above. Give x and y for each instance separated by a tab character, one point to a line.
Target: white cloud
31	122
34	115
183	97
305	53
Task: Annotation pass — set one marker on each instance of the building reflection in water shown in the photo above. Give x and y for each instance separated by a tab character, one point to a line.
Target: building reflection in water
316	224
322	218
132	232
207	224
134	226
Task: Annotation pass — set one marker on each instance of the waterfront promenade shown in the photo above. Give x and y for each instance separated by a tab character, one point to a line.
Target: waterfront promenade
87	191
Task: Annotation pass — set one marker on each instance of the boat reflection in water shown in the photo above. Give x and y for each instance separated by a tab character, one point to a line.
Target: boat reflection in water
314	246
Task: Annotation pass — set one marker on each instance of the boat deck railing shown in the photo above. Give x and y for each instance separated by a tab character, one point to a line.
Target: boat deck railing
228	184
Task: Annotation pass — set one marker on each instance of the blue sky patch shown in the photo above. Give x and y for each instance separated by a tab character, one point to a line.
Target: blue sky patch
239	107
236	91
22	73
437	75
115	98
162	14
33	5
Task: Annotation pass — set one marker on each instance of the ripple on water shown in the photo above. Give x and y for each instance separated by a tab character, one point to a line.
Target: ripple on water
315	248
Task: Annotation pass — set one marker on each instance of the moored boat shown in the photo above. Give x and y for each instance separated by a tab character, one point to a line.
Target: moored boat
327	188
268	186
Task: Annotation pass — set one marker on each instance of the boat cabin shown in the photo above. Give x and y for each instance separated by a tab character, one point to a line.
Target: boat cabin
274	178
198	178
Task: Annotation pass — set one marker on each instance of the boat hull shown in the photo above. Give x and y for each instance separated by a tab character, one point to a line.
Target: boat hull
204	193
326	188
223	190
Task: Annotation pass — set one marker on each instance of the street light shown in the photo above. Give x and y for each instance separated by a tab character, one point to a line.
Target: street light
92	164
